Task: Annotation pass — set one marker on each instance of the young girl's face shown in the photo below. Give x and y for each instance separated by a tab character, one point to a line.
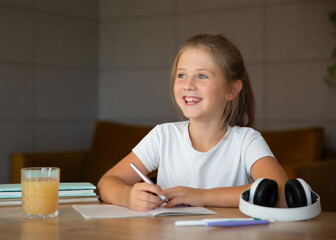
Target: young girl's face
199	86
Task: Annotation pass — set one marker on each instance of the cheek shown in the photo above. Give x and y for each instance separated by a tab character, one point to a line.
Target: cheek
176	89
217	93
212	90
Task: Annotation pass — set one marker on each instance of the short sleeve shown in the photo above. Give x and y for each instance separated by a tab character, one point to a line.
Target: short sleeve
254	148
147	150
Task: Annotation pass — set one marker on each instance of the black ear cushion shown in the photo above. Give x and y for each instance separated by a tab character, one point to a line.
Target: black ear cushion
266	193
295	194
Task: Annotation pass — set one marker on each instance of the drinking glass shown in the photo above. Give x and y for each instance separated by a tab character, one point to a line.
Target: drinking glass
40	191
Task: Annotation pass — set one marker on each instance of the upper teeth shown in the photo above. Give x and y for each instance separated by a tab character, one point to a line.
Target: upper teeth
192	99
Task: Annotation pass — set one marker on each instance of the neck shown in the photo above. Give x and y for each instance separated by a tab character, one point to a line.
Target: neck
204	136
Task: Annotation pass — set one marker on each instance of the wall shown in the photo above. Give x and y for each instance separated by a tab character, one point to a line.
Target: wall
51	92
48	76
286	44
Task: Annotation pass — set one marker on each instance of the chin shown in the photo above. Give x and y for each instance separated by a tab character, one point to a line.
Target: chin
190	115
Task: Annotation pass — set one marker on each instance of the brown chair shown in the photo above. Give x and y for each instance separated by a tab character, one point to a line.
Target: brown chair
295	147
300	152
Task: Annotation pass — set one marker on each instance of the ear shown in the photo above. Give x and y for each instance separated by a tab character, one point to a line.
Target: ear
235	88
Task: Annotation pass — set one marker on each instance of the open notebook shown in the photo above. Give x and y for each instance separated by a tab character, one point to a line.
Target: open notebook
112	211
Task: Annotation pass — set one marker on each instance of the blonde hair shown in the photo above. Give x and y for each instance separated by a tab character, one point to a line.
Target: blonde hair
241	110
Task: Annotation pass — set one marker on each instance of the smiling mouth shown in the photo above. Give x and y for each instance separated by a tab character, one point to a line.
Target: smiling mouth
192	100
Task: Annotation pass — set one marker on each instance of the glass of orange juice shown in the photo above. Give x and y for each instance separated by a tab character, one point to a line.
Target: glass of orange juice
40	191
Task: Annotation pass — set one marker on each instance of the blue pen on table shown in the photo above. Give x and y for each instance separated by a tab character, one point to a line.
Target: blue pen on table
146	179
237	223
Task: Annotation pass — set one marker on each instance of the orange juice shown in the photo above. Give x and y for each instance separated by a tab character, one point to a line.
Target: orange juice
40	196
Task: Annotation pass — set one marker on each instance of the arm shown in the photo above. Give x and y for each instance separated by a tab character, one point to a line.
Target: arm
120	186
266	167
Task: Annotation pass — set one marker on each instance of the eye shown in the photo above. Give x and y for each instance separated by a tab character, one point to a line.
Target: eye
202	76
181	75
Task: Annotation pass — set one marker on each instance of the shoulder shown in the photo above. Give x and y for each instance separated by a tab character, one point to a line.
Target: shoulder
178	127
243	133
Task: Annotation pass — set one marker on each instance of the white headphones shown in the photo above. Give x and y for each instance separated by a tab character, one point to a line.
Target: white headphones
259	201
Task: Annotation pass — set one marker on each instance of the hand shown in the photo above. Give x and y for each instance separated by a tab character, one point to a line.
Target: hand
141	197
185	195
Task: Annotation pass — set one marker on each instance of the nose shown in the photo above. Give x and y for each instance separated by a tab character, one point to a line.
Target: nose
189	83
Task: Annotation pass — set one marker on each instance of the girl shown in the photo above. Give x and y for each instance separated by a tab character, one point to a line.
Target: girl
213	157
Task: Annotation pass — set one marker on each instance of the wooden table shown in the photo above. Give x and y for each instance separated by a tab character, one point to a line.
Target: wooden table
71	225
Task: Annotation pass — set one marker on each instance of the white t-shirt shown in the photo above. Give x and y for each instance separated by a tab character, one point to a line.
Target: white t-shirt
168	148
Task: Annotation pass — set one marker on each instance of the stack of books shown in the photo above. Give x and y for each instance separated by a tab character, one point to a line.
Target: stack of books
10	194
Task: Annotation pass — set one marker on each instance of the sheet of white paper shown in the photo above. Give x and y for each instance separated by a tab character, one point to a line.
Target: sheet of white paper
112	211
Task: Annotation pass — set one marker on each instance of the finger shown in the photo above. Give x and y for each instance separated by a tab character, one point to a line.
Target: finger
145	201
149	197
153	188
147	193
175	201
144	206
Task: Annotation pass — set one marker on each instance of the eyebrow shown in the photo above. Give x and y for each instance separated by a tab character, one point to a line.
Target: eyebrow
198	69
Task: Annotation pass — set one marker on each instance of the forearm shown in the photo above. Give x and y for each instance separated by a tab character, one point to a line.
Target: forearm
216	197
224	197
114	190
